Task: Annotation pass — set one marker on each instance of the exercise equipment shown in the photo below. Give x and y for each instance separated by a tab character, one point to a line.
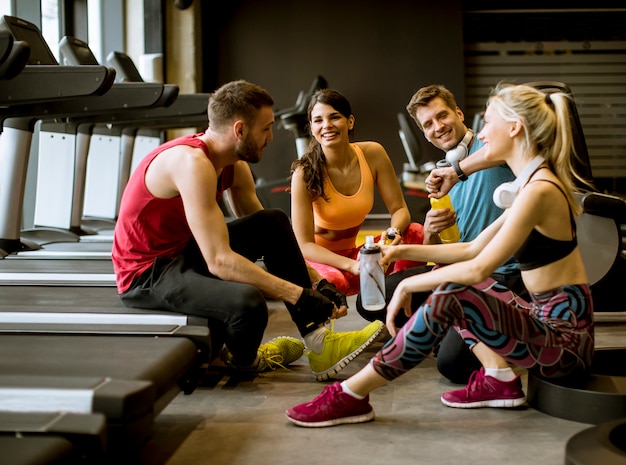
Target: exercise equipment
414	174
275	193
126	364
595	398
29	438
128	379
602	444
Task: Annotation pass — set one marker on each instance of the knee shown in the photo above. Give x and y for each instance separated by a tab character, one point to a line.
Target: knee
277	217
249	309
336	277
333	275
414	234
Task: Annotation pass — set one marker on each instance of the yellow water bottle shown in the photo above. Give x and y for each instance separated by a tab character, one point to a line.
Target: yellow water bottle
452	233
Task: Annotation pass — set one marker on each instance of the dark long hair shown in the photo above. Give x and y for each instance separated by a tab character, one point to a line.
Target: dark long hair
313	162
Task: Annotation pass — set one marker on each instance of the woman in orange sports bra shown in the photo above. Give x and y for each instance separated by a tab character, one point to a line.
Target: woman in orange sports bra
332	191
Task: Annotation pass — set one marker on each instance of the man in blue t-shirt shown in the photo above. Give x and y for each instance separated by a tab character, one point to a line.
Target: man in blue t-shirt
437	114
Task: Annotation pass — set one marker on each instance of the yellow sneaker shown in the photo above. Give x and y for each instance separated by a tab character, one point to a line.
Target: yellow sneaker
277	353
284	349
340	349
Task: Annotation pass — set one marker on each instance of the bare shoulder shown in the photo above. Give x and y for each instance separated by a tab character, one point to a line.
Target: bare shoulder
241	167
371	147
376	156
174	168
541	194
243	175
298	172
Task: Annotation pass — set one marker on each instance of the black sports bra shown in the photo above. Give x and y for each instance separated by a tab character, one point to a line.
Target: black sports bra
540	250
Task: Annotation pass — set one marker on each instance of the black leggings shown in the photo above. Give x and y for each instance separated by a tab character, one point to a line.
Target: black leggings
455	360
237	313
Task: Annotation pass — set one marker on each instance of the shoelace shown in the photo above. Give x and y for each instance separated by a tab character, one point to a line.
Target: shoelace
327	395
273	361
473	385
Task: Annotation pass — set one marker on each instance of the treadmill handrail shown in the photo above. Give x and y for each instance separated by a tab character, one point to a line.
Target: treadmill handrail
44	83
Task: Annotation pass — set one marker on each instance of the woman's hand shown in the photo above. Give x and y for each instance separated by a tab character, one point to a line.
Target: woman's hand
401	301
392	235
355	267
389	253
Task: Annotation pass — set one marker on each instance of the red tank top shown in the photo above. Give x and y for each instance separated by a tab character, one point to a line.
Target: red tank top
149	227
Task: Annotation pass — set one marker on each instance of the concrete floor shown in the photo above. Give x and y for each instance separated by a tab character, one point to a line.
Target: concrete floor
241	422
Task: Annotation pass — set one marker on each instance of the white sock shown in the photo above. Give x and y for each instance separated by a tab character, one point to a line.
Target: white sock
315	340
347	390
501	374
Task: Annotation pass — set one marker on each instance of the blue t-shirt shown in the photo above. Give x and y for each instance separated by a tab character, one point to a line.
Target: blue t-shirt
473	200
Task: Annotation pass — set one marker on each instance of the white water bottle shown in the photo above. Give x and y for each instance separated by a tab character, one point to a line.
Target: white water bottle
372	276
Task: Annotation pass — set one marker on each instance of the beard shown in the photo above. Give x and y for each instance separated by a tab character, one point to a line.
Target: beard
248	151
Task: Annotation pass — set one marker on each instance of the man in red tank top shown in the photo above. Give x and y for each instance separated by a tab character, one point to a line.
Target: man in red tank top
174	250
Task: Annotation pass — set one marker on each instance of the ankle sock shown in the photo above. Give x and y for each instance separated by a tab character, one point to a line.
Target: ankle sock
501	374
349	391
315	340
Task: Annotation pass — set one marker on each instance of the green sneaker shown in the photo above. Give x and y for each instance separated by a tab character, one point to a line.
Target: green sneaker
277	353
340	349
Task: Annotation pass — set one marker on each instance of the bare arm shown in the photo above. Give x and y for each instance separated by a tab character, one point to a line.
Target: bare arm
388	186
441	180
539	205
195	179
304	229
241	196
470	263
443	253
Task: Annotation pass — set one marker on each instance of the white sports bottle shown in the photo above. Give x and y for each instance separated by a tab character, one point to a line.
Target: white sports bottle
372	276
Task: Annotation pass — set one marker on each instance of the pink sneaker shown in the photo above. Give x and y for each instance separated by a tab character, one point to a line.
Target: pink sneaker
486	391
330	408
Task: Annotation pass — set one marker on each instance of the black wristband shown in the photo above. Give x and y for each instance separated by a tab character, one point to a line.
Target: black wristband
311	310
459	172
330	291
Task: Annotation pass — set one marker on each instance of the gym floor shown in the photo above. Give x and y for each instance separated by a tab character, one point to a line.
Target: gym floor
241	422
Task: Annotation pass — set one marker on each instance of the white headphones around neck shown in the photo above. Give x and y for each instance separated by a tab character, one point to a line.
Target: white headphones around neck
461	151
505	194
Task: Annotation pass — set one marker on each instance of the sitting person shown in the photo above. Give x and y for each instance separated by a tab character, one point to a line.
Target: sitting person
551	335
173	249
332	191
435	111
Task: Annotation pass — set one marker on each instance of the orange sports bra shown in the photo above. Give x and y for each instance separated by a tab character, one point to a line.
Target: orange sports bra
346	211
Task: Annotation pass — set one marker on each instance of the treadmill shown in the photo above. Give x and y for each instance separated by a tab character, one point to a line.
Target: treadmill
28	438
61	272
119	374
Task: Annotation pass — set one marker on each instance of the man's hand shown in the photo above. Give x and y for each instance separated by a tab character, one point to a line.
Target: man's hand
440	181
314	308
436	221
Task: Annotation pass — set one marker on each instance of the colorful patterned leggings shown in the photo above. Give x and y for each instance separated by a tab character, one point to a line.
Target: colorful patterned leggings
552	335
